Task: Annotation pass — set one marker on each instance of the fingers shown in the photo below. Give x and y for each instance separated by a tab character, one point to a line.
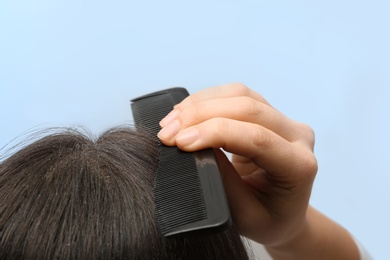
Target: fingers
241	108
241	122
235	102
266	149
274	164
255	212
218	92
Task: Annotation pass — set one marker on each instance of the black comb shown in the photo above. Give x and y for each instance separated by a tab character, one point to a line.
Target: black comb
189	193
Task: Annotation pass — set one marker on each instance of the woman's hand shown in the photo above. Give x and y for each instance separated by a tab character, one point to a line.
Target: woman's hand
269	181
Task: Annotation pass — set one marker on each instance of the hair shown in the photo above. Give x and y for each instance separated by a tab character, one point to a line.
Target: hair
69	196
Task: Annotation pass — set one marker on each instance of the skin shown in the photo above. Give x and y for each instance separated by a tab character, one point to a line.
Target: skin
270	176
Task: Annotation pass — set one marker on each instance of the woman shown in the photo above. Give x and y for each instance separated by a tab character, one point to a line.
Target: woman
68	196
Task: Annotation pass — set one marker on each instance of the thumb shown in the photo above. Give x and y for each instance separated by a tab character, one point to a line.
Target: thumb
245	206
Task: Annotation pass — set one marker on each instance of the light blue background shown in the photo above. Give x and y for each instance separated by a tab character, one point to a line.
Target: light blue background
325	63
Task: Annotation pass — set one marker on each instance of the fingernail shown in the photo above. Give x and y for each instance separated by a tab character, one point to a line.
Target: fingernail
169	130
188	136
168	118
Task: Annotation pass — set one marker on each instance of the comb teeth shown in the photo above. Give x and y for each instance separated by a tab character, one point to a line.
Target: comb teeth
179	197
151	115
178	192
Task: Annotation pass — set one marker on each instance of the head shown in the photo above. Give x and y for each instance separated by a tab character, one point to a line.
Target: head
69	196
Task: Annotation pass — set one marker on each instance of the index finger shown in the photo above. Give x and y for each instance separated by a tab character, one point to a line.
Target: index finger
269	151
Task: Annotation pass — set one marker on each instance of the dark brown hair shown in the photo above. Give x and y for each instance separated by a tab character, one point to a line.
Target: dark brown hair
67	196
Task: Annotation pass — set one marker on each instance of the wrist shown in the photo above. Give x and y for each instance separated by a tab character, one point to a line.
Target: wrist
288	248
319	238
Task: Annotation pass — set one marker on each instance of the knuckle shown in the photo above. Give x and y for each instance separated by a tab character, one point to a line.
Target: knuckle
240	88
261	138
309	165
215	129
250	106
191	116
307	134
220	125
197	111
